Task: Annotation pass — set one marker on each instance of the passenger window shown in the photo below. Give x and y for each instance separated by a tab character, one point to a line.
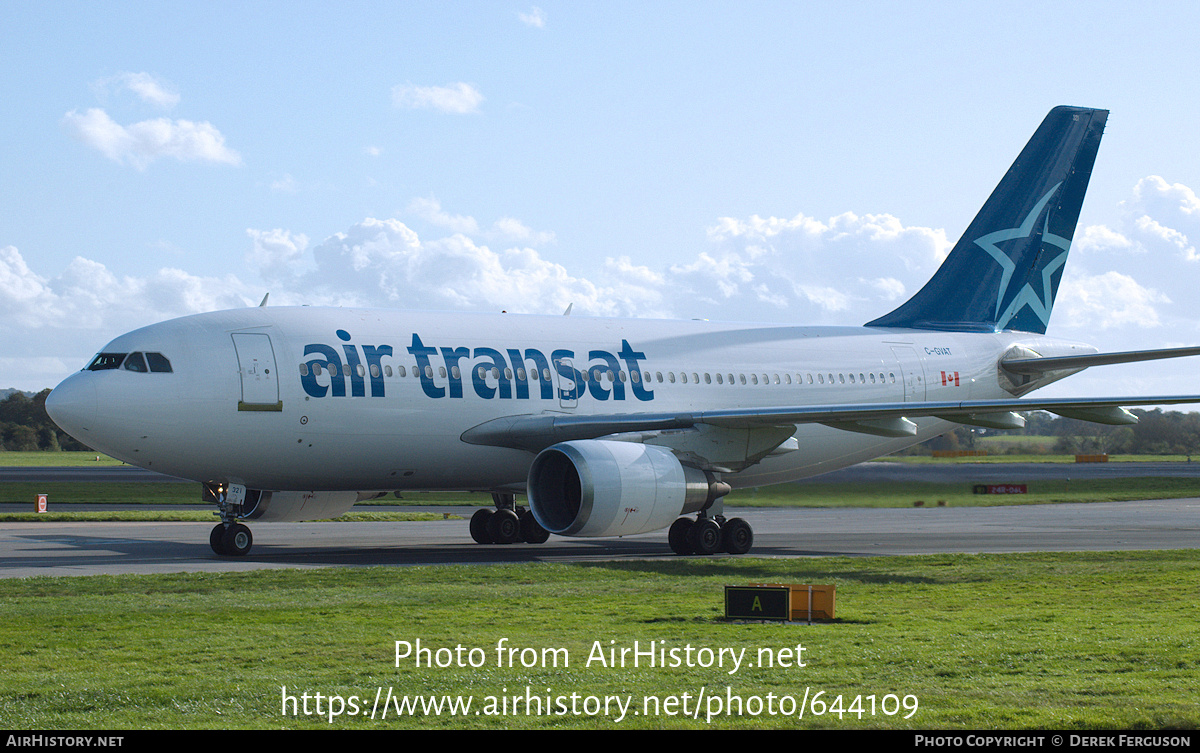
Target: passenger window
303	369
135	362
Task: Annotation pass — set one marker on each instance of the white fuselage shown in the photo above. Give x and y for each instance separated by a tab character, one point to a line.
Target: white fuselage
251	397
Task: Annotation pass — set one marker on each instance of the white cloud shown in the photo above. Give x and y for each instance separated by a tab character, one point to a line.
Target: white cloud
148	88
535	18
1098	237
1169	235
456	98
508	228
277	254
58	322
1107	301
430	210
848	269
142	143
286	184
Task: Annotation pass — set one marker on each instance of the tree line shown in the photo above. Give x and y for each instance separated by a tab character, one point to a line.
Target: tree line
1157	432
25	425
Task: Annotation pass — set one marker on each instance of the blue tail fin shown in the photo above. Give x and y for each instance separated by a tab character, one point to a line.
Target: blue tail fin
1004	271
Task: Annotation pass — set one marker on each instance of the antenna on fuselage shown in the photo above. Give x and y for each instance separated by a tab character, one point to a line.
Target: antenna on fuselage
264	300
568	311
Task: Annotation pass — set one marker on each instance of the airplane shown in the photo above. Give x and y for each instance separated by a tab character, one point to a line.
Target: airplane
609	427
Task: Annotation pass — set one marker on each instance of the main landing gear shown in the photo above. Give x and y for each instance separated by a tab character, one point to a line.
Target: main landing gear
507	524
710	536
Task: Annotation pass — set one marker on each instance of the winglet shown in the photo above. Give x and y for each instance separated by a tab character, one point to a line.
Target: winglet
1004	271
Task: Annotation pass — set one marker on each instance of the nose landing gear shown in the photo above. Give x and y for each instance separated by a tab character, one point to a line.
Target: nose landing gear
229	538
232	540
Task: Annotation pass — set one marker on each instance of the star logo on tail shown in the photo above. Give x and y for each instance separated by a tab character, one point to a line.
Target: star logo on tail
1051	255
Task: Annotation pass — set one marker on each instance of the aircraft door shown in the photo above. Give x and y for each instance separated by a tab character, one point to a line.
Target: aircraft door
256	367
569	386
912	371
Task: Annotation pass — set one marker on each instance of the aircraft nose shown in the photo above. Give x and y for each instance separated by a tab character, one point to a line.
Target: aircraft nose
72	405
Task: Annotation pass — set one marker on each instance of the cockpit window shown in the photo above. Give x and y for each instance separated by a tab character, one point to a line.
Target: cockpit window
106	361
158	363
135	362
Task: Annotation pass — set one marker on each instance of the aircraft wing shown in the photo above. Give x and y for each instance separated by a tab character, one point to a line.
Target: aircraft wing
537	432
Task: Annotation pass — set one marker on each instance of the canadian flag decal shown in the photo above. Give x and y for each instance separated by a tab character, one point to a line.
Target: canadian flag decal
950	379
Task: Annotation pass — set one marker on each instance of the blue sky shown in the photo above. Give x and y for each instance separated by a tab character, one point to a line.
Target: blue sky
784	162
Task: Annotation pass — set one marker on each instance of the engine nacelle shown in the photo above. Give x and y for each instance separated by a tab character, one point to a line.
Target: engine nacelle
599	487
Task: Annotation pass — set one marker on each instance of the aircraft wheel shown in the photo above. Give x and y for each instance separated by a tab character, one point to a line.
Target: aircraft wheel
504	527
214	538
736	536
705	536
677	537
531	530
479	526
236	540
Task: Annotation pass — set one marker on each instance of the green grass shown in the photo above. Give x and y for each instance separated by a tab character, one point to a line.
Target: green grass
1061	641
45	459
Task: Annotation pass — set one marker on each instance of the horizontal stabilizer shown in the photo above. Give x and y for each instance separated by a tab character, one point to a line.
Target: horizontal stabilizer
1062	363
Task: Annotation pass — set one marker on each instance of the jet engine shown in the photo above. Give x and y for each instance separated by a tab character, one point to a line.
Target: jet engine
599	487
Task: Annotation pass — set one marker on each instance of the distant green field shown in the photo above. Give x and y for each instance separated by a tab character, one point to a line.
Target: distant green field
890	494
1078	641
55	459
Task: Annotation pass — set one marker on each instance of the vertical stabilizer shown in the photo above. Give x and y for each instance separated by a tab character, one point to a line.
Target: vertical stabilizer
1004	271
